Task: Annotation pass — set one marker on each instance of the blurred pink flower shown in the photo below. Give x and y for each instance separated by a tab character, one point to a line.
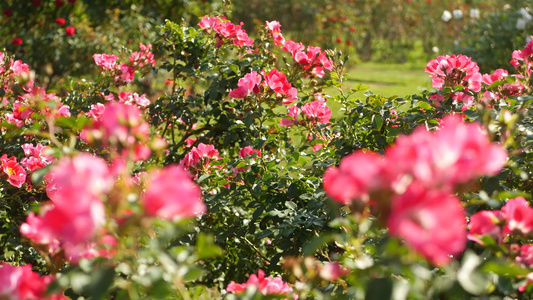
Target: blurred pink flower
485	223
126	74
525	257
199	156
266	285
106	61
209	22
171	194
275	29
518	216
431	222
331	271
75	187
454	154
357	175
316	112
249	151
294	112
22	283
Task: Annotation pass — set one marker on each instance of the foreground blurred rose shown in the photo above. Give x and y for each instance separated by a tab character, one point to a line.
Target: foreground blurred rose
76	187
22	283
431	222
171	194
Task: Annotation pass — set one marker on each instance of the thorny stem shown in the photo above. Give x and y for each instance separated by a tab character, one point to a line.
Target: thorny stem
256	250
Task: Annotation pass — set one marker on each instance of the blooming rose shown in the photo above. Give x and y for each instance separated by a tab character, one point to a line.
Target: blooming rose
316	112
15	172
247	85
518	216
60	21
106	61
485	223
70	31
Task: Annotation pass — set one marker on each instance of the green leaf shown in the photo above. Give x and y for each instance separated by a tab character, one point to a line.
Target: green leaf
359	87
101	281
496	84
377	121
424	105
206	247
235	69
504	268
192	274
38	175
264	233
291	205
471	278
316	243
379	289
203	177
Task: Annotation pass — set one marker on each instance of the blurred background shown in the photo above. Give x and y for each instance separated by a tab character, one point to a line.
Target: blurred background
389	41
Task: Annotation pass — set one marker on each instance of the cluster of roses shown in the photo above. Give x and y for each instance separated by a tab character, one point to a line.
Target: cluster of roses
25	105
313	59
23	283
459	70
36	158
198	159
225	30
506	226
23	109
124	73
9	70
523	59
71	226
120	127
265	285
69	30
277	81
412	187
314	112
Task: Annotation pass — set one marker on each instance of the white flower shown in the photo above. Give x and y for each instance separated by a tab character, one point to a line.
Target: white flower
474	13
506	7
525	14
521	24
446	16
435	49
458	14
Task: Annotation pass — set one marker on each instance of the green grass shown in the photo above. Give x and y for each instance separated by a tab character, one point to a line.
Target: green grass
388	79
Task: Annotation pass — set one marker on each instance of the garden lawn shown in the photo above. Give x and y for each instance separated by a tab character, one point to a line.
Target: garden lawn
388	79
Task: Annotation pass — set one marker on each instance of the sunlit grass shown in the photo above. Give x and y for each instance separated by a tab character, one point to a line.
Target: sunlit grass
388	79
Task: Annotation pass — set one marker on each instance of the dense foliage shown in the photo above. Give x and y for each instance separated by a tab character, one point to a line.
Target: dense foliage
254	172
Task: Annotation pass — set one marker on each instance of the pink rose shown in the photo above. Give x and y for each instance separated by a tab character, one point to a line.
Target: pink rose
431	222
171	194
15	172
485	223
106	61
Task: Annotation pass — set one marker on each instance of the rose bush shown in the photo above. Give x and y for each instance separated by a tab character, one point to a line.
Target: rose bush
257	174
